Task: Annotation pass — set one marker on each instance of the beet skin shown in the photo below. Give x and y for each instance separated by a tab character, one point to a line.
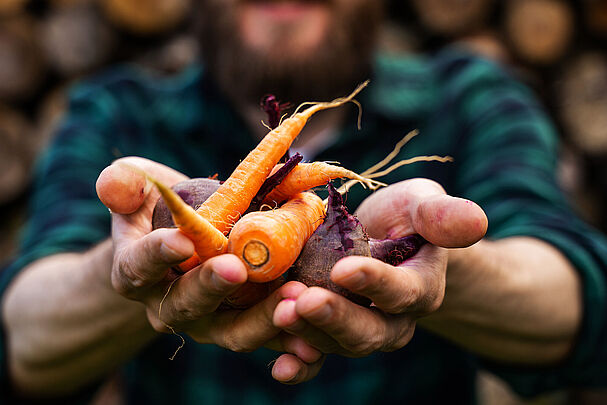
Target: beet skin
341	235
193	191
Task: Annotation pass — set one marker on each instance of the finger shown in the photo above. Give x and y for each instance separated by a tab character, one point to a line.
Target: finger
146	261
450	222
422	206
288	343
244	331
200	291
360	331
287	318
124	190
416	287
299	347
288	369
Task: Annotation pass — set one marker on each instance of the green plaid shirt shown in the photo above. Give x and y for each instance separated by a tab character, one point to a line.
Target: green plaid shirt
504	150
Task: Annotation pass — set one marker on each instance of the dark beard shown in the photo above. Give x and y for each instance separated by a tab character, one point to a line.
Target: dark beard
246	75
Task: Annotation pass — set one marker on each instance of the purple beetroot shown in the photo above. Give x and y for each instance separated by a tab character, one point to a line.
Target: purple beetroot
341	235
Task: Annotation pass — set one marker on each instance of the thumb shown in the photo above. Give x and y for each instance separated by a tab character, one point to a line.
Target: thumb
422	206
123	190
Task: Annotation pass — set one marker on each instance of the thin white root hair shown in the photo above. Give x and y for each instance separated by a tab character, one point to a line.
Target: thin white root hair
169	327
392	154
433	158
323	105
374	171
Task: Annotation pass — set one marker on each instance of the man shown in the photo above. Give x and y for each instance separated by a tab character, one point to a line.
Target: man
525	302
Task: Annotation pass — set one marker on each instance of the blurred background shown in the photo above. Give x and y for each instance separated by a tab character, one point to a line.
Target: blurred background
557	47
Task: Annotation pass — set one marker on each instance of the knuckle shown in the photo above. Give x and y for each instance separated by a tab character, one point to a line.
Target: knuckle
403	302
368	344
124	278
232	343
361	348
431	302
121	285
402	337
185	312
434	304
157	325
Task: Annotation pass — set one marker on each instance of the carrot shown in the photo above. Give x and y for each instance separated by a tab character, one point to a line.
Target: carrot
309	175
231	200
208	241
268	242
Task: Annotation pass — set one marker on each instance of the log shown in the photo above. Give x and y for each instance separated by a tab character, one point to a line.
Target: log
595	16
539	31
75	39
582	102
15	154
146	17
11	7
21	66
70	3
453	17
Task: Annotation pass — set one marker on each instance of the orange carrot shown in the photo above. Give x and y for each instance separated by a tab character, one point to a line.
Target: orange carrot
305	176
268	242
208	241
231	200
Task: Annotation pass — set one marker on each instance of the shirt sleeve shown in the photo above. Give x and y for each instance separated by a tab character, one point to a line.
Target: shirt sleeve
508	162
64	211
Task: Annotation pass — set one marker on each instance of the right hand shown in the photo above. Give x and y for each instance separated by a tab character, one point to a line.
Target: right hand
188	303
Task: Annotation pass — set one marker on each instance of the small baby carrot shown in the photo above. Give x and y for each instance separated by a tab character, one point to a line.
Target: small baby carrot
208	241
305	176
268	242
231	200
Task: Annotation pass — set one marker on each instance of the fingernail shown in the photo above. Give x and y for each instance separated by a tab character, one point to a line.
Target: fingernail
168	254
219	282
295	378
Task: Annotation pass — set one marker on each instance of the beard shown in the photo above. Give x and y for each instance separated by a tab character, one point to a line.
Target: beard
330	70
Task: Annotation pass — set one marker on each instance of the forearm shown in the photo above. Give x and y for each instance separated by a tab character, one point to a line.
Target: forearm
66	326
516	300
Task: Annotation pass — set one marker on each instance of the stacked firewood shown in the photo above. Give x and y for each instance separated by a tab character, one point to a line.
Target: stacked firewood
46	45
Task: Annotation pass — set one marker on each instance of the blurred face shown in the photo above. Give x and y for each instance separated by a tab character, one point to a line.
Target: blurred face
297	49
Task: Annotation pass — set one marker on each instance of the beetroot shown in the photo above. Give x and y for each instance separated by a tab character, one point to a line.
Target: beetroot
341	235
193	191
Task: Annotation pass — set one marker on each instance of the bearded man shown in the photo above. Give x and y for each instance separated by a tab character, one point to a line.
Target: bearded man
83	299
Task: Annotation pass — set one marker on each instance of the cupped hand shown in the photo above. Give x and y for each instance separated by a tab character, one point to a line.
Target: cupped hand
401	294
188	303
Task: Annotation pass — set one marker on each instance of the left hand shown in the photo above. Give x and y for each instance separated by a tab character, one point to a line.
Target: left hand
400	294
